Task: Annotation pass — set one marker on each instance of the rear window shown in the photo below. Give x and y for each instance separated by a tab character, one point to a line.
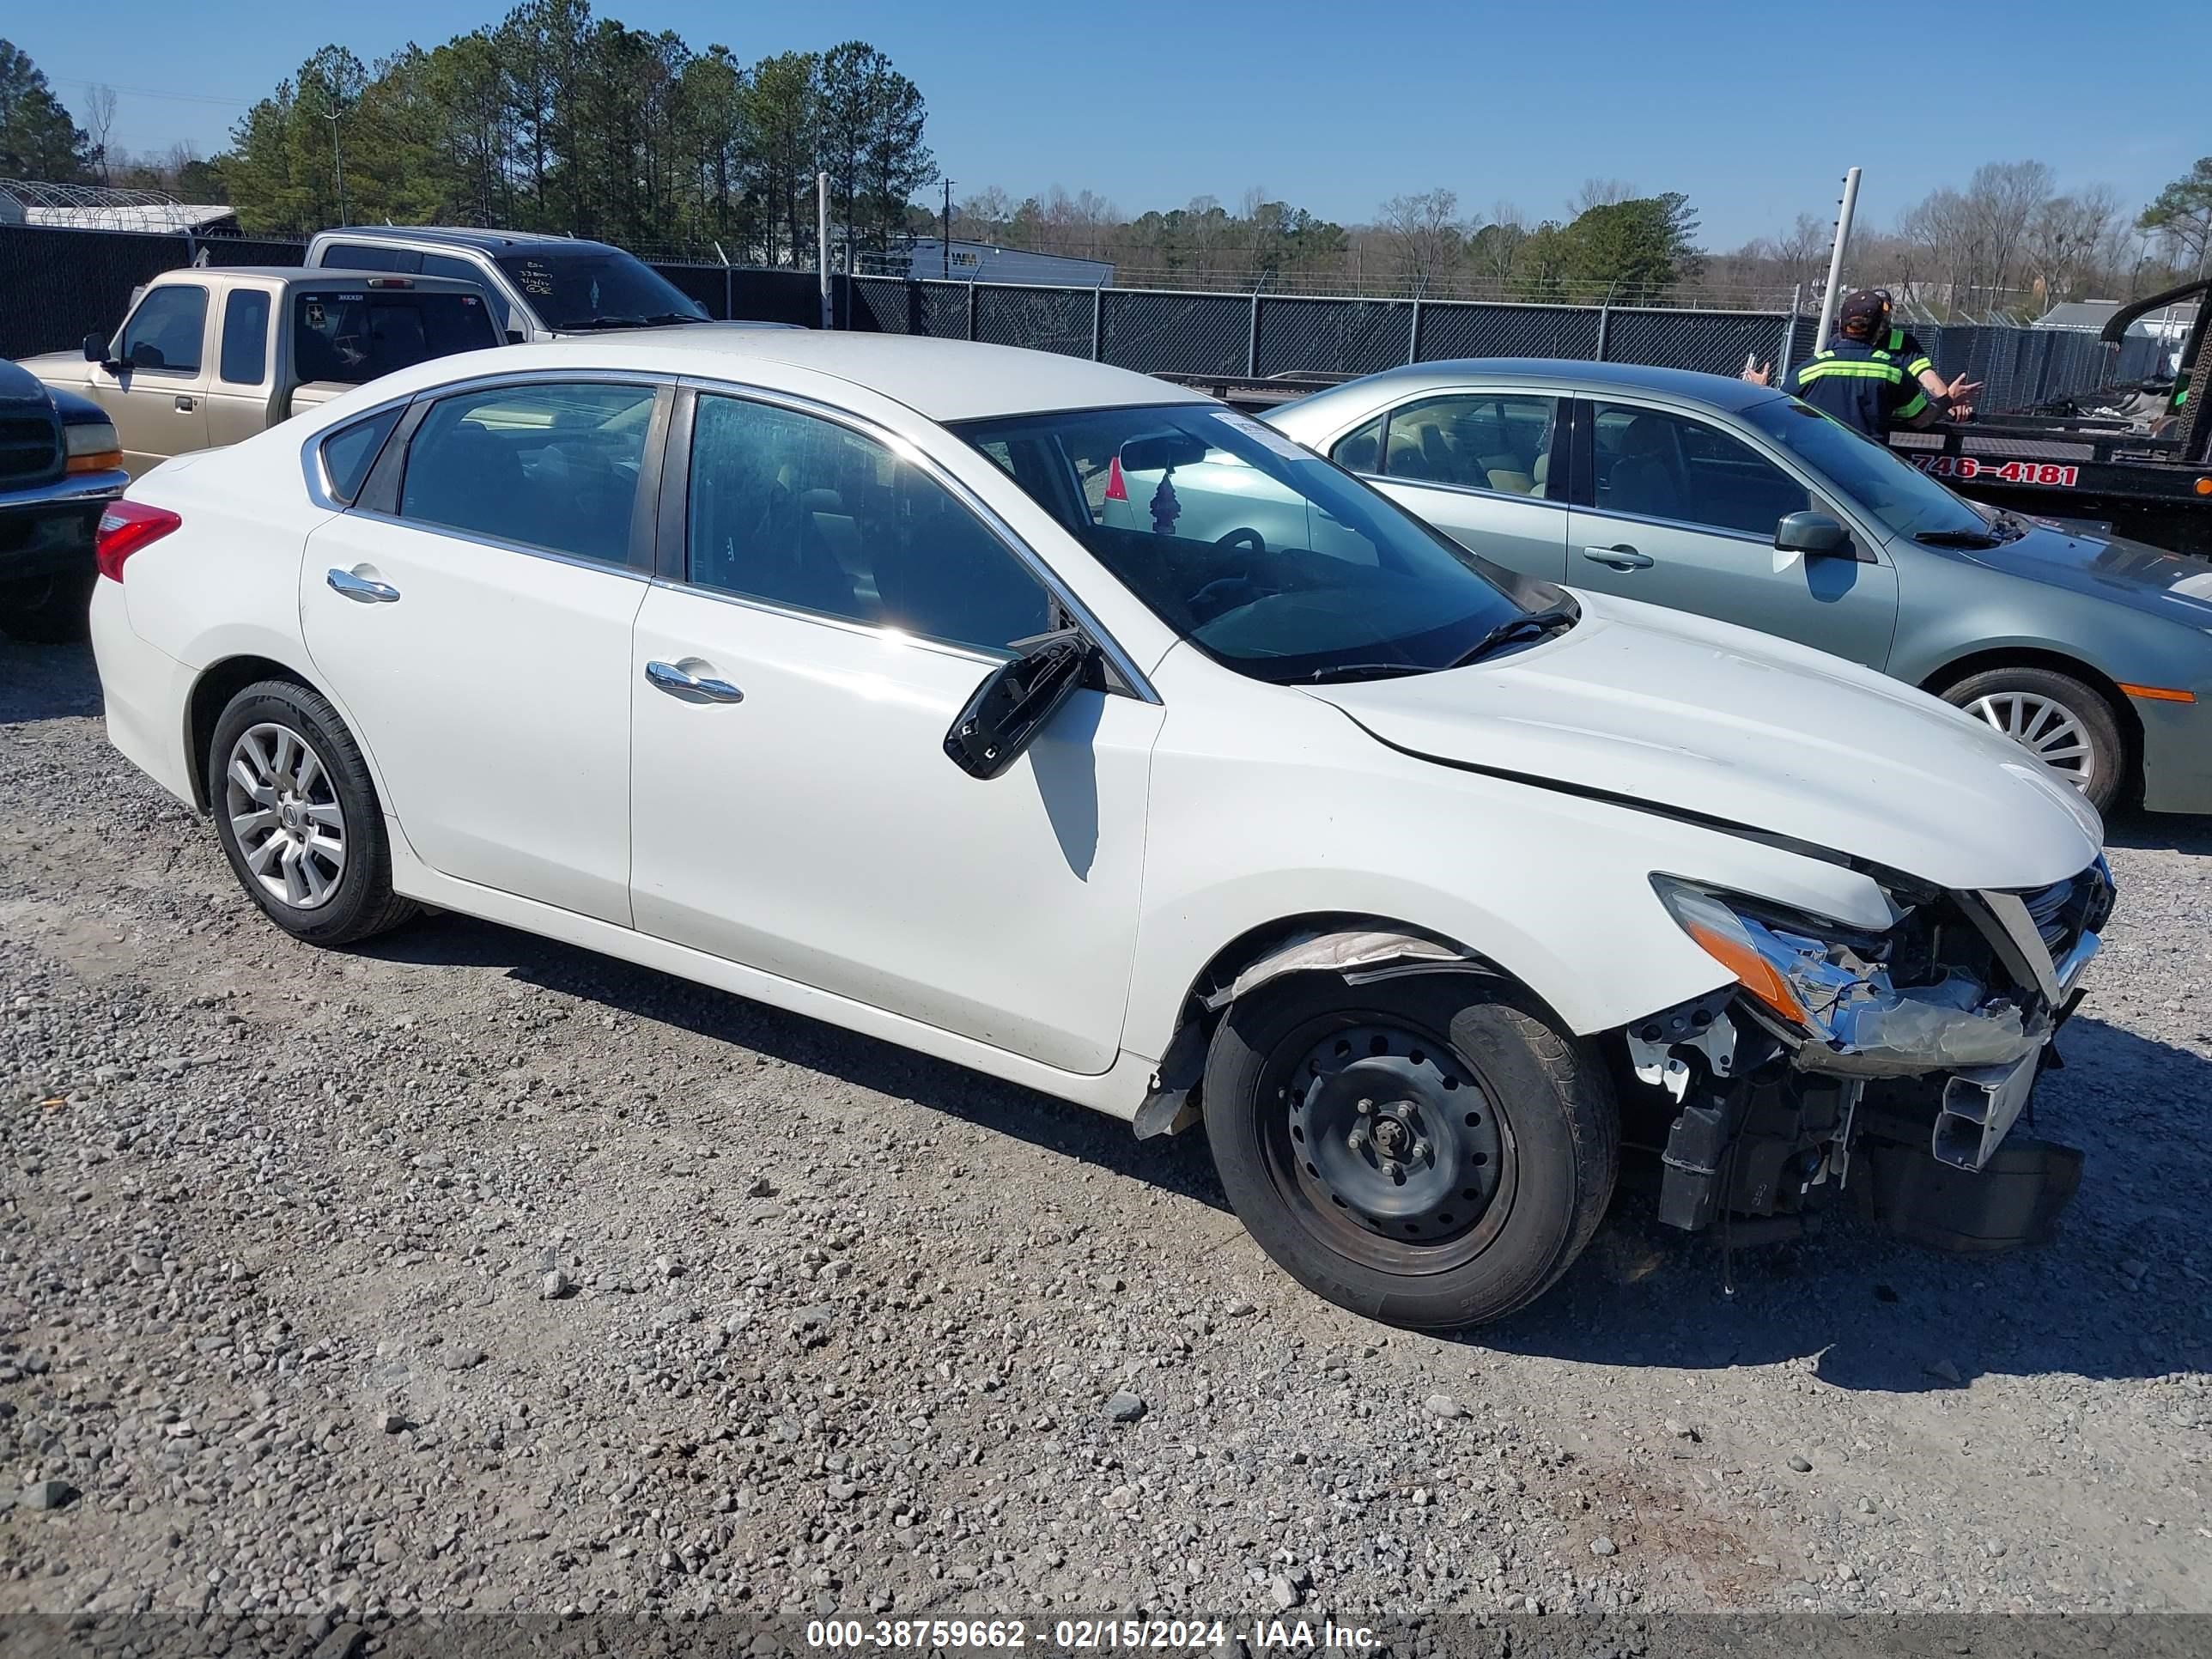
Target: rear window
353	335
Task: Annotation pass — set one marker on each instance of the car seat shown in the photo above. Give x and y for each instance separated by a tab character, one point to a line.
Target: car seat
1646	479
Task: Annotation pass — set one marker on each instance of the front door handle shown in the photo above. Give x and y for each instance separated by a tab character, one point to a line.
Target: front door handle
361	590
185	405
1620	558
679	682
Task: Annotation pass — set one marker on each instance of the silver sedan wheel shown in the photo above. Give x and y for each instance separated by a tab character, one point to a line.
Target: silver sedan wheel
2046	728
284	808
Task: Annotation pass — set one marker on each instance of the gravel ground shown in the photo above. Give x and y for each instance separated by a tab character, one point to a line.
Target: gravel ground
472	1272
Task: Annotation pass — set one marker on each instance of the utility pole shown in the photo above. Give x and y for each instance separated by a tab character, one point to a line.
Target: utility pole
945	241
822	246
337	159
1834	294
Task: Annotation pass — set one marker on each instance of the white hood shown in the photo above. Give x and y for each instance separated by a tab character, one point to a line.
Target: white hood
1708	718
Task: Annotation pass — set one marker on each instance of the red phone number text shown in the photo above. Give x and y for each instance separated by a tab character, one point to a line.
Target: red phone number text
2019	472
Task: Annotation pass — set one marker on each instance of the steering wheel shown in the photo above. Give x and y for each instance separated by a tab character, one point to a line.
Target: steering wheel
1225	593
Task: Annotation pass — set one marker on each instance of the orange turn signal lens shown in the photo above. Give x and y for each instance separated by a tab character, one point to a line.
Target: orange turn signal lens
2204	486
2158	693
100	460
1752	972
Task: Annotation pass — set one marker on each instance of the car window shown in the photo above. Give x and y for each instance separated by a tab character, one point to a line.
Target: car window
444	264
244	360
1476	440
1360	450
350	452
166	332
805	513
353	335
553	465
1659	466
371	256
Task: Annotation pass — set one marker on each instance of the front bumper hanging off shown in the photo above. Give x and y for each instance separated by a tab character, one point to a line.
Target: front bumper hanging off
1934	1071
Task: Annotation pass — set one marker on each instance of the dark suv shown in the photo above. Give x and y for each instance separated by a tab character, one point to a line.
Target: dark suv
60	464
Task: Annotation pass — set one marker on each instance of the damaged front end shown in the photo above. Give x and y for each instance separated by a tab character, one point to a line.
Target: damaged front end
1922	1040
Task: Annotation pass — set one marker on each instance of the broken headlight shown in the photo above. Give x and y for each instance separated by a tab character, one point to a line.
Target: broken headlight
1839	996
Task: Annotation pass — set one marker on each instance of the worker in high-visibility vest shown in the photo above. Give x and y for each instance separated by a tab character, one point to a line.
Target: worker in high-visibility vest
1854	380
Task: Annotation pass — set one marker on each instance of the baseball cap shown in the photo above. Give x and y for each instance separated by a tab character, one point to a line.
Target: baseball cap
1861	314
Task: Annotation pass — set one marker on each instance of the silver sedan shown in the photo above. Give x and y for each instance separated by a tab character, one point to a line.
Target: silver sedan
1739	502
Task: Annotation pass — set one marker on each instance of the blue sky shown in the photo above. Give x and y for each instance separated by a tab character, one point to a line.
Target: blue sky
1335	106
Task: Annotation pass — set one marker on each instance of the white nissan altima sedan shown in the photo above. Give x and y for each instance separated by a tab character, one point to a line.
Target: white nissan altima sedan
844	672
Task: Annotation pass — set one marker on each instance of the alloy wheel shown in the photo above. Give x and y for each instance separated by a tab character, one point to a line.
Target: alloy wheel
284	808
2046	728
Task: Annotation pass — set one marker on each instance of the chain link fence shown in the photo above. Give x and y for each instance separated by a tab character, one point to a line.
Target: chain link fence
1229	336
57	286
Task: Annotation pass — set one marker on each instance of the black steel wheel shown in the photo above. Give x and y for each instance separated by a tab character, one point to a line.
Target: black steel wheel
1418	1150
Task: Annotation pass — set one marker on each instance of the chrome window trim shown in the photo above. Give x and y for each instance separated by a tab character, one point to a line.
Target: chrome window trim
1695	529
421	527
1469	490
844	624
311	448
311	469
905	449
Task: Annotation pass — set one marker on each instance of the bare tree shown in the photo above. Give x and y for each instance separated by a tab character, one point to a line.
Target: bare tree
1598	192
983	216
1204	231
1425	235
100	126
2004	197
2073	240
1802	250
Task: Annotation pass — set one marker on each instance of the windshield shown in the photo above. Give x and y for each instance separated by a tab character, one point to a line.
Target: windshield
1906	500
597	289
1266	557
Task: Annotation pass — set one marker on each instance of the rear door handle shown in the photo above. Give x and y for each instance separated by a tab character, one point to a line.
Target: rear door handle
1620	558
184	404
361	590
680	681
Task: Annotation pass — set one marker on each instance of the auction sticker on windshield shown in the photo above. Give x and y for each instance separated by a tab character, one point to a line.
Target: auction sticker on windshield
1271	440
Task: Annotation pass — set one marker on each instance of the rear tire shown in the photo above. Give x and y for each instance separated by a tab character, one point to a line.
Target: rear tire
2067	725
55	610
1420	1151
298	816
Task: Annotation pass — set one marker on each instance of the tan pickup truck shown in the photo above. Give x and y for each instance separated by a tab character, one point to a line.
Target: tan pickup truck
210	355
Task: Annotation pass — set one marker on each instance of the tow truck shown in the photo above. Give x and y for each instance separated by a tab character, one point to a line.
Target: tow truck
2137	459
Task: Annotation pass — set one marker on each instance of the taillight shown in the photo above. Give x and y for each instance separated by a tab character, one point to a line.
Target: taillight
126	527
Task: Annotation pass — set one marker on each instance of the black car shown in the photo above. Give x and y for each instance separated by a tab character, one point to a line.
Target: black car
60	464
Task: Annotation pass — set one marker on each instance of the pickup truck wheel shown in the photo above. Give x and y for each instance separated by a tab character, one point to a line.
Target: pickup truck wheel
1417	1149
2055	717
298	816
53	610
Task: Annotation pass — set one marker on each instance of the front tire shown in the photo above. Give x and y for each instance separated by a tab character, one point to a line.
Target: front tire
298	816
2063	723
1420	1151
